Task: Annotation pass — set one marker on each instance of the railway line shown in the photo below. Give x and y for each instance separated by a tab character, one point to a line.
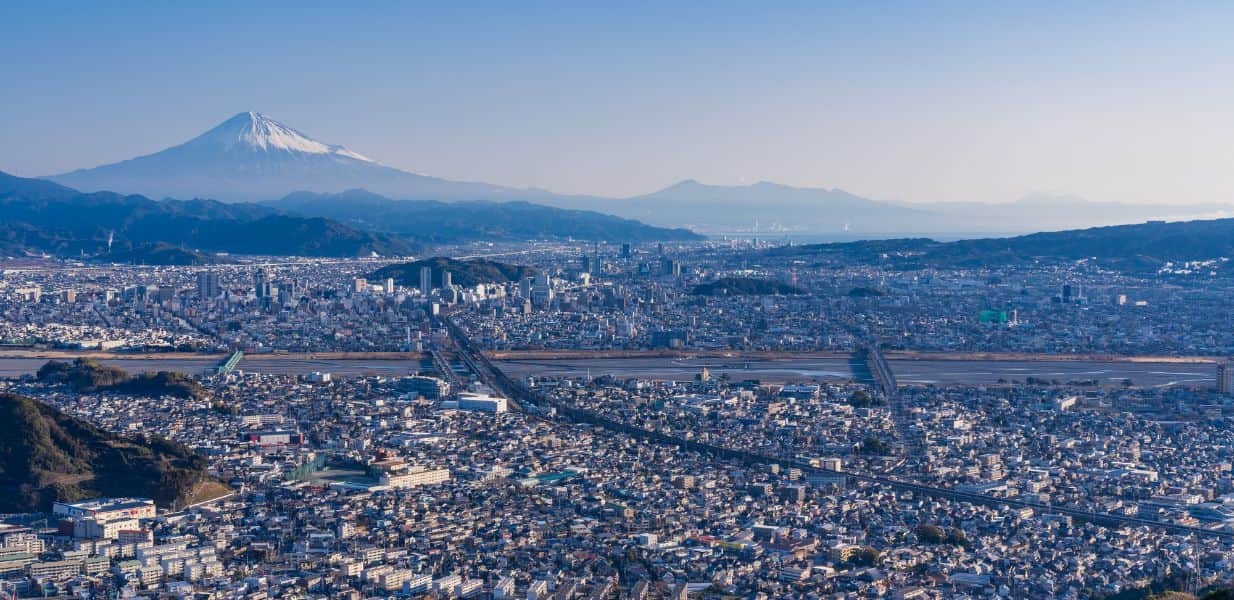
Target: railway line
528	401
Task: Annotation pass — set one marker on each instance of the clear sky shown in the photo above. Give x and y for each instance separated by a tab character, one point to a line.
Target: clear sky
980	101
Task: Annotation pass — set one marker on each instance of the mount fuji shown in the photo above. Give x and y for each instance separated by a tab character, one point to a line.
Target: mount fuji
252	157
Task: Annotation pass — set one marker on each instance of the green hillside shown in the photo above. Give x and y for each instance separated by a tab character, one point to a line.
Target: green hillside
46	455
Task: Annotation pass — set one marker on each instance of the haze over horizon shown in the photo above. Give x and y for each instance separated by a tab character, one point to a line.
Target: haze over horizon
961	103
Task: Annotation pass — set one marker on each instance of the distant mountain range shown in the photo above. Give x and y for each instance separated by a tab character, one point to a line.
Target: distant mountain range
769	210
433	221
762	208
38	216
42	217
254	158
1145	247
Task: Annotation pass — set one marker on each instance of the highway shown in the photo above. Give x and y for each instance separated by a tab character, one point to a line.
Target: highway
526	400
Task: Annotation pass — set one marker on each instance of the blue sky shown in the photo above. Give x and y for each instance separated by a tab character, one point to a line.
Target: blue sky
960	101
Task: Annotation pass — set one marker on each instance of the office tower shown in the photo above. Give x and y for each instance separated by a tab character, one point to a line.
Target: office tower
542	290
261	285
287	292
361	285
1067	292
670	267
524	288
426	280
625	250
446	282
207	285
389	285
1225	378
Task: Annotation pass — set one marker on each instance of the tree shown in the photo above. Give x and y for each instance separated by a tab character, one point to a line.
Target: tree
930	534
866	557
861	399
873	445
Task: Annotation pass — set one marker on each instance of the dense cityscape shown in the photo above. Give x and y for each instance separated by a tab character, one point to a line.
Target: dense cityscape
654	436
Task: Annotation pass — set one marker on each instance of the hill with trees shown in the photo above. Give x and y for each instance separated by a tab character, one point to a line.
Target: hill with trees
48	456
1145	247
88	375
466	273
745	286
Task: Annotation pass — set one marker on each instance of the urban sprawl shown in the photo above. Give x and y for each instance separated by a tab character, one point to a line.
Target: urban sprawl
621	425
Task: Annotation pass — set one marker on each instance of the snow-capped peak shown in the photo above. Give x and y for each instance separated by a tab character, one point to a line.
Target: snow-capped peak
254	131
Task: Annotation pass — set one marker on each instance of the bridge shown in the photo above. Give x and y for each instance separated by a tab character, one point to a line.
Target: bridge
229	365
884	379
443	366
526	400
885	382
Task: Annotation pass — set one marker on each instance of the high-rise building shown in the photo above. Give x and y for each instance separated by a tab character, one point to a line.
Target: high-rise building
625	250
361	285
261	284
446	280
287	292
207	285
426	280
1067	292
670	267
542	290
389	285
1225	378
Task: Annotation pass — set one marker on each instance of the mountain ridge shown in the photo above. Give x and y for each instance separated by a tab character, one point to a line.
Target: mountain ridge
252	157
436	221
37	218
1142	247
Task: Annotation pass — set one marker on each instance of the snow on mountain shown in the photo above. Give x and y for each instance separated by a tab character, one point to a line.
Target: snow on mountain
253	131
252	157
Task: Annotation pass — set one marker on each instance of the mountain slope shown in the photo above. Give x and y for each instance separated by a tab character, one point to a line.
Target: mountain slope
47	456
251	157
35	218
1142	247
447	222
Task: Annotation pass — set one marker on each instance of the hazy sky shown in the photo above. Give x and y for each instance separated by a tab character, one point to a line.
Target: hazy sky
913	101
